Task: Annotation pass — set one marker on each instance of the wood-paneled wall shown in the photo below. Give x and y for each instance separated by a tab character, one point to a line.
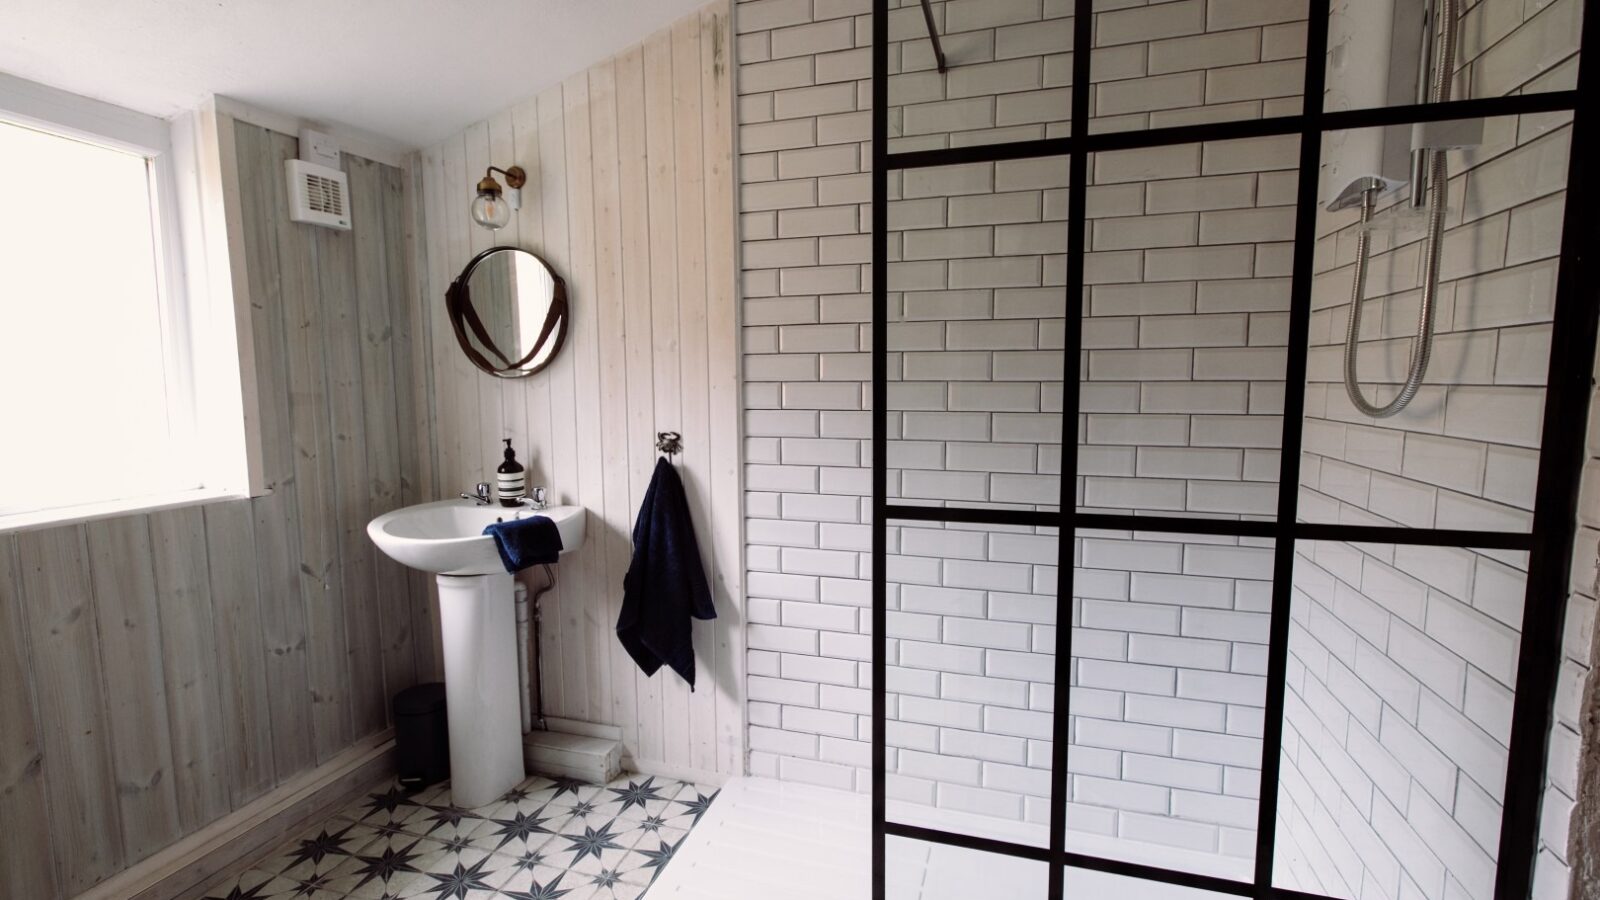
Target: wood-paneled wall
160	670
629	198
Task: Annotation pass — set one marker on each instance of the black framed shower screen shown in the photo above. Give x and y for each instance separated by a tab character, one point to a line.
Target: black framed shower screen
1549	543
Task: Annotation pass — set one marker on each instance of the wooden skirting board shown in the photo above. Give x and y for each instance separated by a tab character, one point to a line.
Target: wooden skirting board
185	869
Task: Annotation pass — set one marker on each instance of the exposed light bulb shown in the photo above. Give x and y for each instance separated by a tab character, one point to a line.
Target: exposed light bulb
490	210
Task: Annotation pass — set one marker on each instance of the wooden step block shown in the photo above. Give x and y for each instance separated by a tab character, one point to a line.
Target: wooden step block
555	753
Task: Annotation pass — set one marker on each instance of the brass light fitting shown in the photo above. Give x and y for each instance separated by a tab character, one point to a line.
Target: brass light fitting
492	206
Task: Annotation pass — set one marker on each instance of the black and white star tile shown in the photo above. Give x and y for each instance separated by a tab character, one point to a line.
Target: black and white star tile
547	839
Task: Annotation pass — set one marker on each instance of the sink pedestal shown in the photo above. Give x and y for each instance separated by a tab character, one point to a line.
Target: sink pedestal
478	624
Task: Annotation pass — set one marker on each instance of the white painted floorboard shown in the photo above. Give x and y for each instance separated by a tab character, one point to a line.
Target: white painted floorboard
784	841
776	840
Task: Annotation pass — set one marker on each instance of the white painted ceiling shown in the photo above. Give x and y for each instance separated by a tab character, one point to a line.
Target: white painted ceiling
414	71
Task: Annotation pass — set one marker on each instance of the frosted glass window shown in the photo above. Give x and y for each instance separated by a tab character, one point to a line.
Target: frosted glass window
92	405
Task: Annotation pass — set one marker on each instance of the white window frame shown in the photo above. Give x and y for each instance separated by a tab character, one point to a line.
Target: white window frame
209	370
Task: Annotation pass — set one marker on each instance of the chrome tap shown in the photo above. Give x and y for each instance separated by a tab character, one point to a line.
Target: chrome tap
482	495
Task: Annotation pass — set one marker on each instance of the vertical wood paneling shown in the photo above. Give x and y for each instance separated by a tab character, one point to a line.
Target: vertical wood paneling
26	866
700	723
85	818
611	315
276	521
318	583
666	381
122	572
382	419
189	665
453	221
406	254
565	601
348	395
243	650
446	414
535	392
723	376
595	626
491	412
502	147
629	195
637	263
160	670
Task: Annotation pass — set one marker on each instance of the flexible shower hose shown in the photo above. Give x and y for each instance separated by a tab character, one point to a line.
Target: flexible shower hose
1422	344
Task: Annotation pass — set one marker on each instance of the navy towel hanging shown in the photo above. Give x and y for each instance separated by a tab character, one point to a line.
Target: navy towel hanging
666	582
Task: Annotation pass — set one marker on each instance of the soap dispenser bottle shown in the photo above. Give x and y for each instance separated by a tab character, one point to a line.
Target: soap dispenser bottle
513	479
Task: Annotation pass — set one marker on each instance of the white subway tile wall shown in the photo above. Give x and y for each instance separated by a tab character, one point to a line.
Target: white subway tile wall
1185	328
1168	684
971	671
1464	453
1185	334
976	275
1009	78
1190	61
1397	718
1402	660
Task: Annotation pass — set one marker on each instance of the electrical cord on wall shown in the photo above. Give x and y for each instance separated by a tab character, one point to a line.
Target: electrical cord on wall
1438	175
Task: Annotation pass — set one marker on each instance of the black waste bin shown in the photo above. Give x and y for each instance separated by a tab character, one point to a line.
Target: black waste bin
421	736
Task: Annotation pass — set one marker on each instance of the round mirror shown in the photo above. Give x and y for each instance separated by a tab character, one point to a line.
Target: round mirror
509	312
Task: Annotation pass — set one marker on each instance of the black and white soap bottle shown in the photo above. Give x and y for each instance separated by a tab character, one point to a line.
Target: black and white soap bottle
513	479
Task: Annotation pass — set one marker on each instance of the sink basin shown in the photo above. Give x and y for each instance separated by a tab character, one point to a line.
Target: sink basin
446	538
478	630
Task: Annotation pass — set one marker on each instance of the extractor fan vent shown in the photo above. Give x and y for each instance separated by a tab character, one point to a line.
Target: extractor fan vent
318	195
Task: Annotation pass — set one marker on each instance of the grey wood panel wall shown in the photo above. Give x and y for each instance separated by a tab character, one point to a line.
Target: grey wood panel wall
160	670
630	199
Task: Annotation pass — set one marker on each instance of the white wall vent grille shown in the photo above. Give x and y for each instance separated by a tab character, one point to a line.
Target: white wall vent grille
318	195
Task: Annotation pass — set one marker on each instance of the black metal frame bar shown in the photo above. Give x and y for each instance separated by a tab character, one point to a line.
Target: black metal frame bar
933	36
1549	543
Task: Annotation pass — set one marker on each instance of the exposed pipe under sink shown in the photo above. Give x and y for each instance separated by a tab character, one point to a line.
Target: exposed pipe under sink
529	618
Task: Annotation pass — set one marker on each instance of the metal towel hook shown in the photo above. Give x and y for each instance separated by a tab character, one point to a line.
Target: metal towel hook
669	442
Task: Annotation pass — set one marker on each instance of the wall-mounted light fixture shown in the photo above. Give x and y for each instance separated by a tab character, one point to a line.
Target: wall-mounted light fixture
492	207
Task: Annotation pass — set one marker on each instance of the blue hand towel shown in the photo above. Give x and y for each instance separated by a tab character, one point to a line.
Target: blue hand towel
666	582
526	542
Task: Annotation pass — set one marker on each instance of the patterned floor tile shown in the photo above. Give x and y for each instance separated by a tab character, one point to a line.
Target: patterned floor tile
384	868
463	881
545	883
646	860
441	820
690	804
547	839
449	854
317	850
520	832
389	804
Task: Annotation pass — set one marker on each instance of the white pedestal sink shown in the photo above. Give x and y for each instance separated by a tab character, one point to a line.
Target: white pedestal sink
478	624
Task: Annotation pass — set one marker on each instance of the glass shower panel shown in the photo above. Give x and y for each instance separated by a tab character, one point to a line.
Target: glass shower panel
976	298
1463	452
1008	79
971	678
1186	62
1185	328
1379	50
1087	883
919	870
1169	649
1397	716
